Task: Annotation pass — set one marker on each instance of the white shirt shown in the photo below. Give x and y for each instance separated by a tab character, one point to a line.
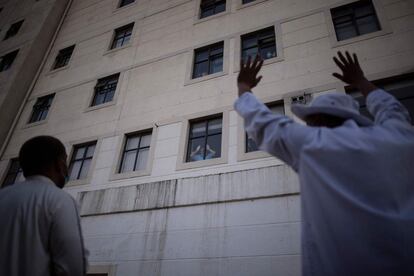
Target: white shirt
357	186
40	232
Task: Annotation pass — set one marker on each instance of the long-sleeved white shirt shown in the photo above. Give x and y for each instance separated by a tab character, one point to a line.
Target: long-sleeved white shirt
357	186
40	232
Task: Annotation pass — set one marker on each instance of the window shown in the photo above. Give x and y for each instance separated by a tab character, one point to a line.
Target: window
7	60
136	152
122	36
401	87
63	57
208	60
204	141
262	42
13	30
41	108
125	2
211	7
105	90
14	174
355	19
276	107
81	160
247	1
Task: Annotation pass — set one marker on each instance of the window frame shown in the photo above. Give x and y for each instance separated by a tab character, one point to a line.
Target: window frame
14	55
106	79
382	19
210	57
191	58
197	19
73	159
278	43
182	163
9	34
114	35
49	107
54	68
122	140
127	137
7	172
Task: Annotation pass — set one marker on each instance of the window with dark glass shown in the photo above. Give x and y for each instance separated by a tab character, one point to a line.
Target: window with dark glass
63	57
401	87
105	90
41	108
125	2
14	29
208	60
276	107
204	141
355	19
247	1
7	60
81	160
122	36
14	174
136	151
262	42
211	7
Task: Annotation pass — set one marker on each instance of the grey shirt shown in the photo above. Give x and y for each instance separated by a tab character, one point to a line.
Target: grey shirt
40	230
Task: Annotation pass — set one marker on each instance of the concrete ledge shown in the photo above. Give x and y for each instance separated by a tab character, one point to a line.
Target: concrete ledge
240	185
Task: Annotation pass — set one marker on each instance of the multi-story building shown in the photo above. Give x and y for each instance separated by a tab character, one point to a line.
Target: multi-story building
141	93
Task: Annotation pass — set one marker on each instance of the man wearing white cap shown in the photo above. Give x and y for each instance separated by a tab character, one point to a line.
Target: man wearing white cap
356	176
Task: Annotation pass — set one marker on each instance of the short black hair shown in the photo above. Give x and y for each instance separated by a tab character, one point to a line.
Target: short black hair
39	154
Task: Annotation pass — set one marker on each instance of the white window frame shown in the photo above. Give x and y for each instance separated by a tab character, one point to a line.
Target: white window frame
381	15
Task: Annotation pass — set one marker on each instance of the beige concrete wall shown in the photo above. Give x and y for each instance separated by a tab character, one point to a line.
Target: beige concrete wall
154	92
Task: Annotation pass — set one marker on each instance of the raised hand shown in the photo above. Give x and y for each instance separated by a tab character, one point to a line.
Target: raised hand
352	73
248	78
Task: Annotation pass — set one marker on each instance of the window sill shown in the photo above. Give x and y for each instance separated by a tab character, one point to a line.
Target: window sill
242	6
77	182
204	78
53	71
335	43
126	175
111	51
198	20
34	124
265	62
96	107
201	163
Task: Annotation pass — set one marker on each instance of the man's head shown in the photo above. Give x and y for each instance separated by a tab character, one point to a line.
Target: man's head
44	155
330	110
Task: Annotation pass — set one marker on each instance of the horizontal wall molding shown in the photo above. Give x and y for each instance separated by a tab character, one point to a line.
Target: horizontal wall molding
217	188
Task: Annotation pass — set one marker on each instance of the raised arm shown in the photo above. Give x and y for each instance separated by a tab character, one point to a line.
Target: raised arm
382	105
276	134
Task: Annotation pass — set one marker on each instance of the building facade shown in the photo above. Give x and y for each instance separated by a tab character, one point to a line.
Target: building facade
141	93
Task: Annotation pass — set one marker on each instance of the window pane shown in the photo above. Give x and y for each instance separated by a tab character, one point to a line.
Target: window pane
220	7
201	56
109	96
85	169
126	39
252	52
216	65
132	142
142	159
99	99
198	129
91	150
196	150
250	144
213	146
145	141
345	31
367	25
248	42
214	126
268	52
364	10
128	161
74	170
200	70
80	152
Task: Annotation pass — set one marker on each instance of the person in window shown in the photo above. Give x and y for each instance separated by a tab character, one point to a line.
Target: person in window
356	176
198	153
40	230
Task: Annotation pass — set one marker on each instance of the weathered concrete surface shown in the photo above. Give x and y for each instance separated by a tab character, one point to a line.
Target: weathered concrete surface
240	185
